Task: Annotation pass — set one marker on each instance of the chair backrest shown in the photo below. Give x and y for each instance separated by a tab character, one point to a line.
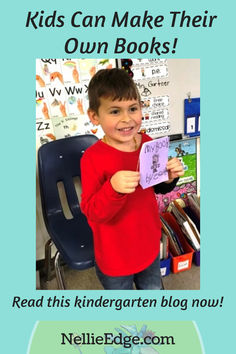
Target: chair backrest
59	161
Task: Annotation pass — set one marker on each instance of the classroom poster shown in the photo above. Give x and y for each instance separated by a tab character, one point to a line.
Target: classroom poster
84	321
186	152
155	120
61	97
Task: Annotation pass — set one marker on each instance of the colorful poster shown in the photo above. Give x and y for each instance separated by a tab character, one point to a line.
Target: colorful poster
186	151
61	96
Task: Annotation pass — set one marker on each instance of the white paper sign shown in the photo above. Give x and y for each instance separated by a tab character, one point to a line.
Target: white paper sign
183	265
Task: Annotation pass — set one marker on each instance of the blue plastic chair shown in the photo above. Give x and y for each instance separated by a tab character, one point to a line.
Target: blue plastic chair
59	161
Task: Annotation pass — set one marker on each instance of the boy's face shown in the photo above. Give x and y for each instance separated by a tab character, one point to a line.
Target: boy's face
120	120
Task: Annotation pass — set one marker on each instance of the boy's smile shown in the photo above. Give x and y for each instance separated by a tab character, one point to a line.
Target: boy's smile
120	121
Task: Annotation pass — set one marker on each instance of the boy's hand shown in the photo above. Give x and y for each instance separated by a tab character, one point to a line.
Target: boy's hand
174	168
125	181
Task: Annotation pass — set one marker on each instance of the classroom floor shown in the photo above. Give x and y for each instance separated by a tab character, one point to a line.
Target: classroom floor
87	280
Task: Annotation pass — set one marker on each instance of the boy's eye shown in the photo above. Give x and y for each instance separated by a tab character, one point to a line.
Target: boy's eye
114	111
133	109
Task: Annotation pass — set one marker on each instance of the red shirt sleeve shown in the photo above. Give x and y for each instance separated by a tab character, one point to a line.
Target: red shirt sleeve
99	201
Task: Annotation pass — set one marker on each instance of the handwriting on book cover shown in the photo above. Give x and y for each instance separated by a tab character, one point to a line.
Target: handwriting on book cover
152	162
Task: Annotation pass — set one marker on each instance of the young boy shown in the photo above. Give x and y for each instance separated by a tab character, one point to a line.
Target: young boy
124	217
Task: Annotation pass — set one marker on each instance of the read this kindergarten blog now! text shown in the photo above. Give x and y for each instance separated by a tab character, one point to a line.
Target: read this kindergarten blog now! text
117	304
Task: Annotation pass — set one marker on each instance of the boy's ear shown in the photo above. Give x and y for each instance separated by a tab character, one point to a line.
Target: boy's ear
93	116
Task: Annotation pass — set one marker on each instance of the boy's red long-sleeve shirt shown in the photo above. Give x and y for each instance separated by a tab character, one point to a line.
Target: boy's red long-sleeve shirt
126	227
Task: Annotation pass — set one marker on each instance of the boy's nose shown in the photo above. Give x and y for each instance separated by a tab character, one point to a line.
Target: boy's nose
125	117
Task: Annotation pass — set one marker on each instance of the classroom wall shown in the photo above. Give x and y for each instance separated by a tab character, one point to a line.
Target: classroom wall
184	77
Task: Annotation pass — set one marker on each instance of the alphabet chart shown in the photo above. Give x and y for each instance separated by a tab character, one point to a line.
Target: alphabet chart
61	97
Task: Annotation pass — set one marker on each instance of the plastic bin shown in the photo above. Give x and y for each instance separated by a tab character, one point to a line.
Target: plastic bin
196	258
184	261
165	266
196	255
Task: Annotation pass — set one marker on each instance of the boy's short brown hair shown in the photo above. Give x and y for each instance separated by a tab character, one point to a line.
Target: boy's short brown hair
111	83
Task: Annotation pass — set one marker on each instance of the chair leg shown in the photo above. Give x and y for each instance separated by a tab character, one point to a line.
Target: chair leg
162	285
59	275
48	259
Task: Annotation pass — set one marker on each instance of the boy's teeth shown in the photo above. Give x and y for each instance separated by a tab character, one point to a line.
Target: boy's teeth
125	129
